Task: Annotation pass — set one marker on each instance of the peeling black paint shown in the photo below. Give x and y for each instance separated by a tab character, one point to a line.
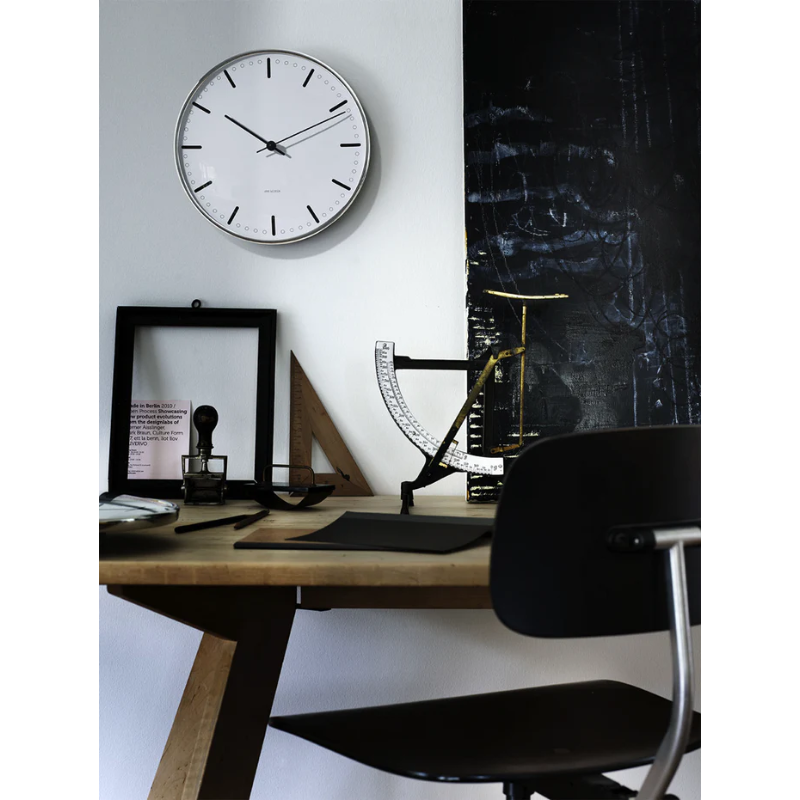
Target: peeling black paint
582	177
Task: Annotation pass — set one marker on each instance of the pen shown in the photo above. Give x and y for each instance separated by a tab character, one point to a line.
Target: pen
213	523
249	520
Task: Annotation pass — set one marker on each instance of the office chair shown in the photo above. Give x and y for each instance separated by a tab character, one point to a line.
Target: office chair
595	536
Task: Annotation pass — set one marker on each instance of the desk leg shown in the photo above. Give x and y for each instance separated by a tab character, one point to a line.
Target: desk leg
216	739
180	771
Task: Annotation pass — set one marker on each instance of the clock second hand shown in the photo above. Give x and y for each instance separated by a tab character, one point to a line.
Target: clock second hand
269	144
296	133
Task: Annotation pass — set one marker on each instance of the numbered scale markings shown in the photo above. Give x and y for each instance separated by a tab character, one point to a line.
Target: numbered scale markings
411	427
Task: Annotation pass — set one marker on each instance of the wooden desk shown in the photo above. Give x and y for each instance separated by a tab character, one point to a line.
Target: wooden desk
244	601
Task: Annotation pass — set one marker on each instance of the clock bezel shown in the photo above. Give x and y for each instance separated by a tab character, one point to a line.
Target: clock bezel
179	166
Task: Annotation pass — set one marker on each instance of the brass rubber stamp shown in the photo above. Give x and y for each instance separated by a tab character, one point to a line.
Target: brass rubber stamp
203	487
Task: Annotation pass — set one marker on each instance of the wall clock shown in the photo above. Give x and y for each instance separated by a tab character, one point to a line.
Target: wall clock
272	146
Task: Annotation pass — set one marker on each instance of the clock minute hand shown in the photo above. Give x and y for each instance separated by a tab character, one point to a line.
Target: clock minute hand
270	145
297	133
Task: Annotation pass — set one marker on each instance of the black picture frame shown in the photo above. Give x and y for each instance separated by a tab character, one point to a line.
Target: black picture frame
129	318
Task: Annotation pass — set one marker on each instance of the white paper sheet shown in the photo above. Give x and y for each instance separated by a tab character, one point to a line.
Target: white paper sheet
159	437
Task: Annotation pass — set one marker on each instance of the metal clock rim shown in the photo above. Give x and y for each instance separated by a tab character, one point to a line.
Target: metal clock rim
176	147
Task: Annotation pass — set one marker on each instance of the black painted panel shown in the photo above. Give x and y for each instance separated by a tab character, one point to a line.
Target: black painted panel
582	177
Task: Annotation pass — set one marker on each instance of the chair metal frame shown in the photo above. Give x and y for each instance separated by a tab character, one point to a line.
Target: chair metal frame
671	750
674	540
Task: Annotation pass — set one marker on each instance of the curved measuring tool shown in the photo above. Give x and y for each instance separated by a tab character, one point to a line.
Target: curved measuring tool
412	428
443	456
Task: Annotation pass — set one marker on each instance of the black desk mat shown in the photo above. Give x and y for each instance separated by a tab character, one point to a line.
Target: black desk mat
405	533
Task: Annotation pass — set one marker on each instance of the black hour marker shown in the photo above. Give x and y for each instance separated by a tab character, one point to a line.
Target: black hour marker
308	78
191	147
230	80
339	183
338	105
273	226
230	219
199	188
201	108
269	68
349	144
311	211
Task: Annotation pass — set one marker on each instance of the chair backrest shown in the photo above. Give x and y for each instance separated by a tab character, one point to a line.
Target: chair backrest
552	571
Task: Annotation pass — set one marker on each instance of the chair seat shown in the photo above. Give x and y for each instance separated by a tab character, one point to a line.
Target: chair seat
567	729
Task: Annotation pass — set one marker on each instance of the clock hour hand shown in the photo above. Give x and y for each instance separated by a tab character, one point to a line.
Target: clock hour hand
296	133
269	144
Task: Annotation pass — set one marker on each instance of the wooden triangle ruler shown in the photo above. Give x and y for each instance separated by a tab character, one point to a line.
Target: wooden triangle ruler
308	418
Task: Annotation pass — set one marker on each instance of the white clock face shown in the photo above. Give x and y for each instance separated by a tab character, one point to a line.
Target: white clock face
272	146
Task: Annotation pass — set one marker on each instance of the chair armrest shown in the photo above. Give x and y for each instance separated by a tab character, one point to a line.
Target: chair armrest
674	743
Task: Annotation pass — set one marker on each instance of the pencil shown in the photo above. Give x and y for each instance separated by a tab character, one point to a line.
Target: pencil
249	520
212	523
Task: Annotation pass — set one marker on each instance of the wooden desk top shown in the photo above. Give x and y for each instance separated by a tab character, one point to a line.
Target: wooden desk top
208	558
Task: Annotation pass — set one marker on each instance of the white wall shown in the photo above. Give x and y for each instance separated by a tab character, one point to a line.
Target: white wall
392	268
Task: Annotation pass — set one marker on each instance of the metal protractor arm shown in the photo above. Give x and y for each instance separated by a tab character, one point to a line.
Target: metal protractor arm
494	357
406	362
